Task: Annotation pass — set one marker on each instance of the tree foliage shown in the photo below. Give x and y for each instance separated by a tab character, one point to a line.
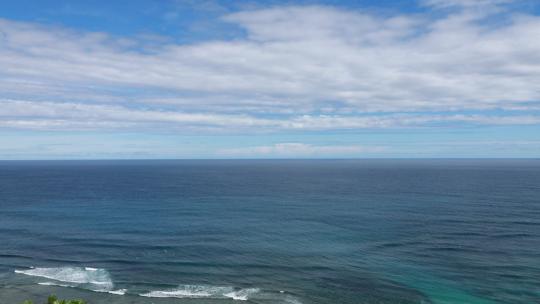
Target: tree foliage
54	300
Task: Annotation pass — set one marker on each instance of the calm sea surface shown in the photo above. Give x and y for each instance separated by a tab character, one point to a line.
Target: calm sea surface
325	231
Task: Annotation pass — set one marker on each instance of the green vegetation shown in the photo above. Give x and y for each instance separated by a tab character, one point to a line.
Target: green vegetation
54	300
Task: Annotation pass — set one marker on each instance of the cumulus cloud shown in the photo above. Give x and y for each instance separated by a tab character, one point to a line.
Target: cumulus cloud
298	67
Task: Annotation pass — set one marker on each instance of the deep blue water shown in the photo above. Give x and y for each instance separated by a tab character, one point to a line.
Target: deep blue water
313	231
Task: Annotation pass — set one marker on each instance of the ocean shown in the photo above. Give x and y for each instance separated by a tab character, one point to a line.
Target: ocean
271	231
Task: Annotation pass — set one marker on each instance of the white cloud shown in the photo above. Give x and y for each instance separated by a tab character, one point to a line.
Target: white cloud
294	149
78	116
308	68
464	3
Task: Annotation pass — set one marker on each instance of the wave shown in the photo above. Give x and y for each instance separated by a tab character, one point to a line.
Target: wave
242	294
203	291
223	292
291	300
95	279
99	280
54	284
119	292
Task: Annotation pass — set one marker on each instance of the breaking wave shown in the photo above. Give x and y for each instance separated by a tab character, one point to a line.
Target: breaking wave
99	280
54	284
84	277
203	291
242	294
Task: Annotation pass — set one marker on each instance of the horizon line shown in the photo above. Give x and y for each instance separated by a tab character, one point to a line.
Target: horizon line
240	159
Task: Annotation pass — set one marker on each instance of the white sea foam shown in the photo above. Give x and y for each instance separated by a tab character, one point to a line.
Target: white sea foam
190	291
120	292
54	284
291	300
203	291
91	278
99	280
242	294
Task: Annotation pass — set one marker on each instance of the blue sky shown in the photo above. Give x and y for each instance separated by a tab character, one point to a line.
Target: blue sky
269	79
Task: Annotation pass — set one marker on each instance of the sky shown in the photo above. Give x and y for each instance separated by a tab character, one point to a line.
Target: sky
146	79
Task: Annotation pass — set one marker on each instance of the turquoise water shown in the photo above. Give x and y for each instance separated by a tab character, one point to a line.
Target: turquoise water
363	231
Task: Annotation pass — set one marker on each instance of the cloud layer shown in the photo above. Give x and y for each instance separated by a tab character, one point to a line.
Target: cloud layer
297	68
294	149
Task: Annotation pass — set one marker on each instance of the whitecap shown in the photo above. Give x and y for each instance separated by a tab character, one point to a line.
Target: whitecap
54	284
94	278
190	291
278	296
118	292
242	294
203	291
292	300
